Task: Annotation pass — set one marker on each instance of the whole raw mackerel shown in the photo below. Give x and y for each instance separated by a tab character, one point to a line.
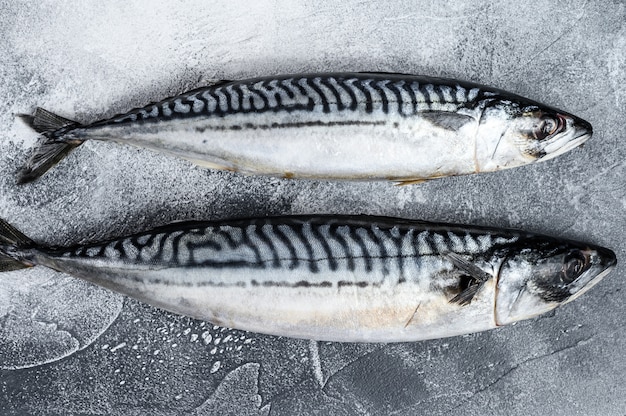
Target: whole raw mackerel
351	126
332	278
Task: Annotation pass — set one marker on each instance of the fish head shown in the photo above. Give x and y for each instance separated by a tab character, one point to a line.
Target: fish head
514	133
542	274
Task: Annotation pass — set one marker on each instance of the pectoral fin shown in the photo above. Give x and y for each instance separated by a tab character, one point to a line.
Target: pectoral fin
465	297
478	276
403	182
448	121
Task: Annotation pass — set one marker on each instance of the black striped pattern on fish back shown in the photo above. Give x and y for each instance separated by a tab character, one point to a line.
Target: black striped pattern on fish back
325	93
315	245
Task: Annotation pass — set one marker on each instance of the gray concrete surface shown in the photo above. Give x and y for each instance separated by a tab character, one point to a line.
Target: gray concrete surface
69	348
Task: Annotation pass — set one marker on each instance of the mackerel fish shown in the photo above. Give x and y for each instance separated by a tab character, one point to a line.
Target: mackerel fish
356	279
344	126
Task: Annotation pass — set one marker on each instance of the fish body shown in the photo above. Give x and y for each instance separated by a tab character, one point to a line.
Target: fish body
358	279
347	126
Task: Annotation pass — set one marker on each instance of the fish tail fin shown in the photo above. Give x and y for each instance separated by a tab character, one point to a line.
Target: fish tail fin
12	242
51	147
44	121
47	154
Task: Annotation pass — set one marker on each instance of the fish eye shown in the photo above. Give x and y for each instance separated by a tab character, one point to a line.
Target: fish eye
574	264
548	126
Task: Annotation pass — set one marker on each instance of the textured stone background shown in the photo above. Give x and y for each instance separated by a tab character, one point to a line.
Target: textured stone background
69	348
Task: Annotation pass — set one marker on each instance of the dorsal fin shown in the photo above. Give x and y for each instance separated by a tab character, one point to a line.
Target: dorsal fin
209	83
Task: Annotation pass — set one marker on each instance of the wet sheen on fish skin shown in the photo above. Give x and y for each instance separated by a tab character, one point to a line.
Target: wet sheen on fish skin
345	126
359	279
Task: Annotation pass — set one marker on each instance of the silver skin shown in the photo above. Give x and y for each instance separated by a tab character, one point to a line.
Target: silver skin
347	126
353	279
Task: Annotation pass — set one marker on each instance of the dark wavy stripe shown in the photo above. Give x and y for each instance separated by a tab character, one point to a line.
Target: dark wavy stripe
354	103
251	245
409	90
333	90
399	100
287	242
294	84
260	233
384	100
439	93
298	230
274	95
368	95
282	85
380	245
366	255
322	241
176	247
333	232
266	104
318	91
225	101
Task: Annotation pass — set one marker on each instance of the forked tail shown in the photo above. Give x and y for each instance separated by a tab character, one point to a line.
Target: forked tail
12	243
51	147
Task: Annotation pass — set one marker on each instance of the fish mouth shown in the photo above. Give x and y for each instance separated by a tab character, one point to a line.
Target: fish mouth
608	259
577	132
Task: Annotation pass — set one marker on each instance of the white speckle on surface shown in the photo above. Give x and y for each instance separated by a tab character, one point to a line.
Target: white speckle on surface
118	346
207	337
216	366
